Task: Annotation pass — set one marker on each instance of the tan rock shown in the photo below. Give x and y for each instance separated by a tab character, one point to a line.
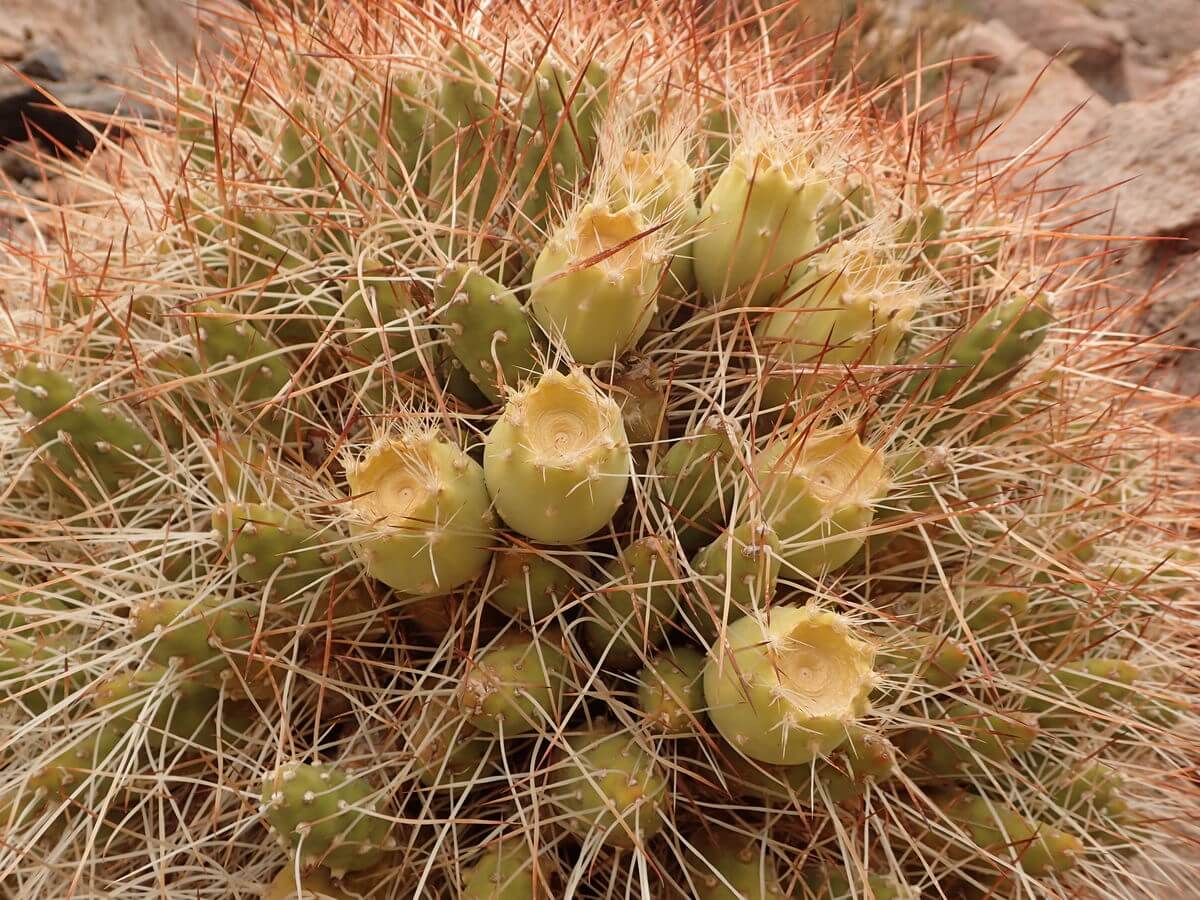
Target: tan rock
1060	27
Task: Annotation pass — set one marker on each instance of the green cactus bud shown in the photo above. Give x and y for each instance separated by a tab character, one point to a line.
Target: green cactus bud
642	397
976	742
788	684
196	632
326	815
21	607
671	691
979	360
382	318
489	333
730	866
717	125
698	479
557	461
467	133
1091	785
301	144
250	368
996	611
609	788
760	221
445	746
590	108
852	304
738	574
67	777
527	584
315	885
848	206
636	600
267	541
99	446
421	513
193	124
1037	848
1097	682
819	491
179	712
595	283
923	230
515	686
400	121
507	870
832	882
934	659
35	670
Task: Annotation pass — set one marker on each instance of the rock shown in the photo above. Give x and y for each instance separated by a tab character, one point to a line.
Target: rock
1151	148
1161	32
26	111
1046	107
1065	27
44	63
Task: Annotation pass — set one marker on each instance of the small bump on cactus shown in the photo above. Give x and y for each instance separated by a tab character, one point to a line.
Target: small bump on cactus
326	815
515	686
557	460
196	633
506	871
421	512
528	584
730	866
268	543
607	787
670	690
698	479
789	683
738	573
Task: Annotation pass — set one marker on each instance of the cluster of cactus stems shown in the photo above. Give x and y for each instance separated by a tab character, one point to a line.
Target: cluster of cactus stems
591	453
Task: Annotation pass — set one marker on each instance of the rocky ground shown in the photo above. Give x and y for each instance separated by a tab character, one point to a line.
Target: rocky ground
1124	75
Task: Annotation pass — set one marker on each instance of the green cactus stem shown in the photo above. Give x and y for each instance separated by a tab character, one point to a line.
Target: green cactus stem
934	659
595	282
788	683
976	741
489	333
981	359
467	134
528	584
421	513
272	543
382	317
820	490
507	870
759	222
515	685
609	788
557	461
196	633
630	611
98	449
326	815
1036	847
445	746
738	574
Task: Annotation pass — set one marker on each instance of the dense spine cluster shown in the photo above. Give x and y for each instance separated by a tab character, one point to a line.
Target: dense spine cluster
582	453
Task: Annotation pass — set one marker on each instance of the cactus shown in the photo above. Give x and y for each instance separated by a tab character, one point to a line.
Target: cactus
326	815
728	866
981	358
421	512
608	788
467	132
629	612
595	282
506	871
382	317
979	741
739	572
98	449
528	584
314	885
760	222
445	748
820	490
1037	848
934	659
671	690
195	633
698	479
790	683
557	460
834	883
489	332
515	686
270	543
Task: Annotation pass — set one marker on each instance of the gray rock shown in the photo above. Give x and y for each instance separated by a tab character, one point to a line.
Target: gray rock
44	63
1064	27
